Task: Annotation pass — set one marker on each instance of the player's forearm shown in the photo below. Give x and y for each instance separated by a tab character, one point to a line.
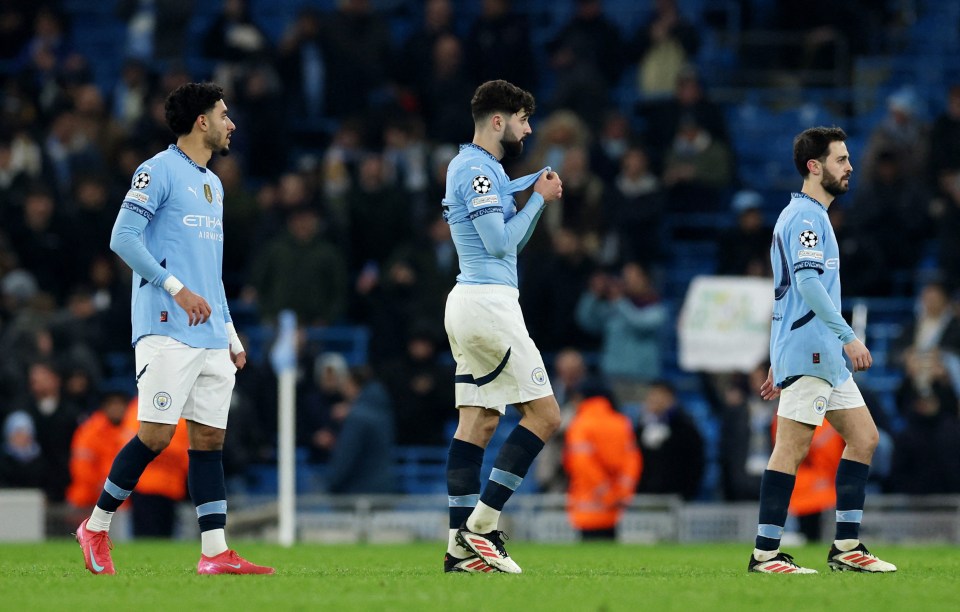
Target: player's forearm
224	305
501	239
649	317
816	297
533	224
125	241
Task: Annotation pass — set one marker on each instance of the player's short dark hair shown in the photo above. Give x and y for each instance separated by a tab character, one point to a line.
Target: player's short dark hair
814	143
189	101
499	95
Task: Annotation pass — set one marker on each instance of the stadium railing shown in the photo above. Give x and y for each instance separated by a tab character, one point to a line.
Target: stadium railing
542	518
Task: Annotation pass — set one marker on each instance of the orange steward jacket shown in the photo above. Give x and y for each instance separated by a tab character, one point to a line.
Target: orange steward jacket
603	463
97	442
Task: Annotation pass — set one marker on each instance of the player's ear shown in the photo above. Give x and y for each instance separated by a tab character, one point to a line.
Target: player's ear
813	166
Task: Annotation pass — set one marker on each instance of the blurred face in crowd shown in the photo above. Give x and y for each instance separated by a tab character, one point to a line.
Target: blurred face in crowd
634	164
38	211
44	382
934	300
447	55
114	408
438	13
635	279
570	367
659	400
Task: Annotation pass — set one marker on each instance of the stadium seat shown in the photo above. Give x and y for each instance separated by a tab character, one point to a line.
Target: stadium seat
421	469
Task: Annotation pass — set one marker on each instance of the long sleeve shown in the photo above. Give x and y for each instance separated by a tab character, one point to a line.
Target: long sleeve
499	237
815	295
645	318
591	313
125	241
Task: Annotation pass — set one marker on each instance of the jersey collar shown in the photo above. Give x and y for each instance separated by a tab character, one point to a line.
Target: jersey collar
180	152
471	145
801	195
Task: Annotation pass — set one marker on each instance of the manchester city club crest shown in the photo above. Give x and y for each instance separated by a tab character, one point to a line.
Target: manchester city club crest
539	376
162	400
820	405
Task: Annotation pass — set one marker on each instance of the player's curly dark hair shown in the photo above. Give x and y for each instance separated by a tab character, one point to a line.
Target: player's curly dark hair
501	96
187	102
814	143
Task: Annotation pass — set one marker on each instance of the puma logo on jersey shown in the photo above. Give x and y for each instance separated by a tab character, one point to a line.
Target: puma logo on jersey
808	222
194	192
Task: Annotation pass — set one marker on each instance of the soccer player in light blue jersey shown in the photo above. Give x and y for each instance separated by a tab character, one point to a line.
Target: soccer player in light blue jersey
808	339
170	232
497	361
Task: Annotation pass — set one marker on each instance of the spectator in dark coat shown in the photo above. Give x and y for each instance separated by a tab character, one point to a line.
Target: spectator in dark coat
500	44
362	457
672	448
302	271
21	462
420	389
745	249
925	457
56	420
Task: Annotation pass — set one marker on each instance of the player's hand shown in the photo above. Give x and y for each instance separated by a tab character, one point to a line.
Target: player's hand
549	186
859	355
768	390
197	309
239	359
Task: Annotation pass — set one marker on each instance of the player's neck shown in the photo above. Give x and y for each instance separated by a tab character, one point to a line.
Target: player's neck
818	193
489	143
195	150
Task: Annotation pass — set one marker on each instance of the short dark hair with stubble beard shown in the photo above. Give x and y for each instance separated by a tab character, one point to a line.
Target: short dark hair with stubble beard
500	96
189	101
814	143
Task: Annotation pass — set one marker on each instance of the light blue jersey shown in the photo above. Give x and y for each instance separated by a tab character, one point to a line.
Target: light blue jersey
174	209
486	228
807	334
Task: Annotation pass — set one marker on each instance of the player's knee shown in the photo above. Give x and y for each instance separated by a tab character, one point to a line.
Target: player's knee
552	420
156	438
549	417
485	428
206	438
866	441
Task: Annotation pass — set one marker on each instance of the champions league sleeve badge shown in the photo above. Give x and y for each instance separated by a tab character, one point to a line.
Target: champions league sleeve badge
809	238
141	180
481	184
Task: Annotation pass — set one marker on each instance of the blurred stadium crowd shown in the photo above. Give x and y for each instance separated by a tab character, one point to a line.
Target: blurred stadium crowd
671	123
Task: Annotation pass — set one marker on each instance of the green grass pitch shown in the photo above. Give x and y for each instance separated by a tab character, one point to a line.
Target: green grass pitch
699	578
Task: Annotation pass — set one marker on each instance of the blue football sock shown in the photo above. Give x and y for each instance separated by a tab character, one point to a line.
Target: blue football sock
463	480
207	488
851	491
125	472
775	491
516	455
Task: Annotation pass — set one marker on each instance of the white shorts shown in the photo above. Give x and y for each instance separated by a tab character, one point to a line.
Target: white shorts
178	381
809	399
497	361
